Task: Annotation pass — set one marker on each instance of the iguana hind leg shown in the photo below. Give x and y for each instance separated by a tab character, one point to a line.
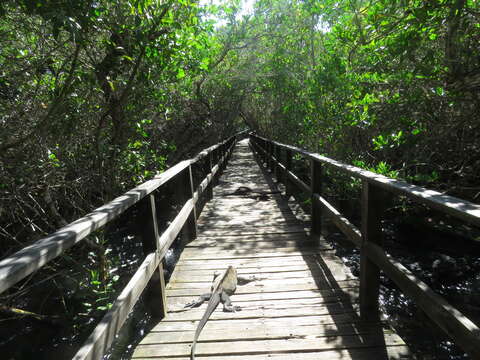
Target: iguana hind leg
199	301
245	280
227	303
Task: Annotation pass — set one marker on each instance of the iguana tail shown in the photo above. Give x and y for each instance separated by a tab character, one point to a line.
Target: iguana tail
212	305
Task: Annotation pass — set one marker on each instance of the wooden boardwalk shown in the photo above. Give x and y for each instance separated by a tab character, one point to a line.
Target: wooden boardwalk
304	306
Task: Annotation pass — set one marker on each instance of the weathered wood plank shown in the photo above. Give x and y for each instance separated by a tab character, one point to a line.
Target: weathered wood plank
252	289
256	330
249	300
260	313
271	346
352	233
389	352
277	242
329	321
247	252
326	295
205	276
209	231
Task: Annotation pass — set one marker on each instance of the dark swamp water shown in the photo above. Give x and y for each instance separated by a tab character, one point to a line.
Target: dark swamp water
443	253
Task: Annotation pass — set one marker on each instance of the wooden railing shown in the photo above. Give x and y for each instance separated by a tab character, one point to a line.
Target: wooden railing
373	258
150	272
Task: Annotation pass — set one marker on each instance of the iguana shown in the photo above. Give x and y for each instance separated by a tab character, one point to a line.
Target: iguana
223	286
247	192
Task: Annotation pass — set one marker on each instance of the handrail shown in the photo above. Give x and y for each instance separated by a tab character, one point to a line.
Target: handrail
31	258
450	205
373	258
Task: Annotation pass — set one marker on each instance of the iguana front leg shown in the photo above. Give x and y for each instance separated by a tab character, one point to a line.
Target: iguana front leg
199	301
227	303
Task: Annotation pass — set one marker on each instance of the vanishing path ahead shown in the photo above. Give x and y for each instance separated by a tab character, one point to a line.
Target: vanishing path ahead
302	308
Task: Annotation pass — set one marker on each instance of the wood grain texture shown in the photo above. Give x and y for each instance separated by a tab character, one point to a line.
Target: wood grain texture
303	304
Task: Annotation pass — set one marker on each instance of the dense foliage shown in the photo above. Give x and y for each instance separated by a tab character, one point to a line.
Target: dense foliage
381	84
95	97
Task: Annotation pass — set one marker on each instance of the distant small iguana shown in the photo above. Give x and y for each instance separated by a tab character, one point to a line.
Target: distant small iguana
223	286
255	194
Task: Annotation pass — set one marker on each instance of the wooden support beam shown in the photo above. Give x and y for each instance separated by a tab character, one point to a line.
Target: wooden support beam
350	231
184	192
278	170
316	187
207	169
155	297
270	156
288	168
373	200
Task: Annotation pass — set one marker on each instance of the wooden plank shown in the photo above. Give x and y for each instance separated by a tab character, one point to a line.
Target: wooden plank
261	311
206	275
329	321
246	269
253	289
209	231
206	253
264	313
305	298
264	282
293	234
269	240
390	352
239	223
310	260
251	245
270	346
255	330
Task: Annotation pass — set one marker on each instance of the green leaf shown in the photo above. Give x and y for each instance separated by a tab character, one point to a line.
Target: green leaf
180	73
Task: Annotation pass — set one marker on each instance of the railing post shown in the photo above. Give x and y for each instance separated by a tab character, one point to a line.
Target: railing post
265	152
316	187
271	163
155	294
288	167
373	205
261	146
184	192
215	158
224	155
278	174
207	169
